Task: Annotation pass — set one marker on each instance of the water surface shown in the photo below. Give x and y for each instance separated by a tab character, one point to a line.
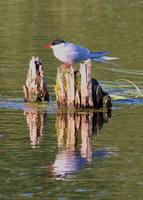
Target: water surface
48	155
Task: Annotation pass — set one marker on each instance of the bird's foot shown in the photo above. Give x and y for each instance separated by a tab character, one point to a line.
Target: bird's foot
66	66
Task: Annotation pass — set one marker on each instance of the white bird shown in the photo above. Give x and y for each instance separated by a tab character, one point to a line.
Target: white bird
70	53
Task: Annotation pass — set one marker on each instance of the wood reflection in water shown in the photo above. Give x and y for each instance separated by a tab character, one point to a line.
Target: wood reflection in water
74	138
74	131
36	122
86	133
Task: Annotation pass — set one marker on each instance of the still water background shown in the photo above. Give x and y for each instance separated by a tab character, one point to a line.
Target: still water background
28	162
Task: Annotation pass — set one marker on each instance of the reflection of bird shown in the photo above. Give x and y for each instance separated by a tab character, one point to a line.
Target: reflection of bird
70	53
68	163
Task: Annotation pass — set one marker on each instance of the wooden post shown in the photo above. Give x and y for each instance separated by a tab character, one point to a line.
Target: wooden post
76	89
86	84
36	84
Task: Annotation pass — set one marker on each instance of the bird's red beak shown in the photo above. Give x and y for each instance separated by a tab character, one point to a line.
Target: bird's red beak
48	45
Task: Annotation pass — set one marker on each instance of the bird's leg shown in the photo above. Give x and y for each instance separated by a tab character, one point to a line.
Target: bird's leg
66	65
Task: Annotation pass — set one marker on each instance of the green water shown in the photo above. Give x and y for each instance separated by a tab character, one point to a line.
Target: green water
38	160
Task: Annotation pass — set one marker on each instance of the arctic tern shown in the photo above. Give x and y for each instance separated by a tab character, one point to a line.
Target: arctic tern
70	53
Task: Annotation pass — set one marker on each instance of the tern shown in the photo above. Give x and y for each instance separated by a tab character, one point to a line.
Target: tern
69	53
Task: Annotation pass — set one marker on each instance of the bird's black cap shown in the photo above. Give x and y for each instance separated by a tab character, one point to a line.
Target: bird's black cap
57	41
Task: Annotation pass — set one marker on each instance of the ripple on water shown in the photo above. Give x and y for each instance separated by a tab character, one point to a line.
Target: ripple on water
27	194
129	101
28	107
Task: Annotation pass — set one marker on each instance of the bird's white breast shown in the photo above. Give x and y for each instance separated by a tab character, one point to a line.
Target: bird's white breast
60	52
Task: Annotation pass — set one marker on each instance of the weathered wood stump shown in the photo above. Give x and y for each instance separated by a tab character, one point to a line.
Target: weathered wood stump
36	84
76	89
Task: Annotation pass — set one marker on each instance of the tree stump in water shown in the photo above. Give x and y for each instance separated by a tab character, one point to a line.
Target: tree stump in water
36	84
76	89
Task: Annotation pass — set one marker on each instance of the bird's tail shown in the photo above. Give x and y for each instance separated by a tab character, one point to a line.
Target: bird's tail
101	56
105	58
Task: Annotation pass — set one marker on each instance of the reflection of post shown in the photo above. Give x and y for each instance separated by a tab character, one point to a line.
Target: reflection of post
71	132
86	134
74	135
66	131
74	130
60	126
99	119
36	123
